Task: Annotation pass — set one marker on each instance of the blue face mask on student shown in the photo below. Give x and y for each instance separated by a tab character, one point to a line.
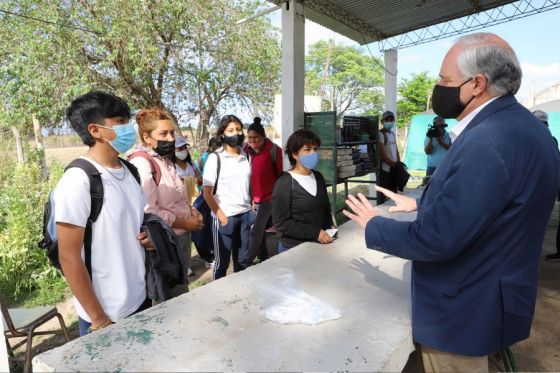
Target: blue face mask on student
126	137
388	125
310	160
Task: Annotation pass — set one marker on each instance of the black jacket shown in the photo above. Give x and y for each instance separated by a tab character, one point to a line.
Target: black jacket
167	265
297	215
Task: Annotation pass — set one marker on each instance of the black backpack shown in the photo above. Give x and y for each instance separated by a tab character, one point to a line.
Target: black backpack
49	243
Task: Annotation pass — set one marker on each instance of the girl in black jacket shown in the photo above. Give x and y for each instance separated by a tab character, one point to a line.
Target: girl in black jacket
300	205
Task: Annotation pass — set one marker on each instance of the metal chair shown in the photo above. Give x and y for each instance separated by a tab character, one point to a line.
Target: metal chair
22	323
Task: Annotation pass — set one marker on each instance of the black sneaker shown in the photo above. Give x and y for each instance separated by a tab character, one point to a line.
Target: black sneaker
552	257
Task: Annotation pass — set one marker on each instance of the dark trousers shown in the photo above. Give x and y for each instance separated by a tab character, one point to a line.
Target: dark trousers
85	326
256	247
558	239
281	247
387	181
232	240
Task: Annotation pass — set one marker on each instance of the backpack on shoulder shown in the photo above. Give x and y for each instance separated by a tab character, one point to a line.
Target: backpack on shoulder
156	171
49	242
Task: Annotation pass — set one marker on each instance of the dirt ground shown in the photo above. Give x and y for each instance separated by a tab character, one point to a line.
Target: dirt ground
539	353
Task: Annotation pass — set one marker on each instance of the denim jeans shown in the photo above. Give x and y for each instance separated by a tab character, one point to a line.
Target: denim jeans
85	326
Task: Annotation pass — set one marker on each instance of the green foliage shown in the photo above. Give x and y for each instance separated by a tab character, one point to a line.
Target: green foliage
186	56
24	268
414	95
347	79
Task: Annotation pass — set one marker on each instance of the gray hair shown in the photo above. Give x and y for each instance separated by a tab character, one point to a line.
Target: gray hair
484	54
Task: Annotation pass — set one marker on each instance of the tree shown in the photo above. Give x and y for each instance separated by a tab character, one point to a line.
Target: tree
414	96
346	79
184	56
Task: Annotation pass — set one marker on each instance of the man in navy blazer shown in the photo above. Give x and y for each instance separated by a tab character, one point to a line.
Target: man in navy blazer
478	236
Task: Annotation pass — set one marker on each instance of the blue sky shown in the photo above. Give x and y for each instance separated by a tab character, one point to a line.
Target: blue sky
535	39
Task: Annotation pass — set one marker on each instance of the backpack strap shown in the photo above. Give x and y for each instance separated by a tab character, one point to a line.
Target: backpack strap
273	151
96	192
219	166
156	171
133	170
385	138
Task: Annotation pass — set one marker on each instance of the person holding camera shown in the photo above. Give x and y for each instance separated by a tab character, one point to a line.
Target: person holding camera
436	144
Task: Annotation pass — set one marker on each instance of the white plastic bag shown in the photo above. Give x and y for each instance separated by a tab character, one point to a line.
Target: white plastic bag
286	303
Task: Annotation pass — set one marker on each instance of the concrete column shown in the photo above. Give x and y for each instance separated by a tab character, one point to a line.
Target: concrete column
391	80
391	58
293	69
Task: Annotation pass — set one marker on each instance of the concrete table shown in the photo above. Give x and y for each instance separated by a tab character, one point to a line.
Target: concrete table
220	326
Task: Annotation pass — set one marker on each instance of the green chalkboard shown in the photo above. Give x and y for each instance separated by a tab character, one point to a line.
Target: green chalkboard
324	125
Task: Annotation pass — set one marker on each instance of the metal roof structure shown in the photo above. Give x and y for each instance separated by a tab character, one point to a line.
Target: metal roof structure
398	24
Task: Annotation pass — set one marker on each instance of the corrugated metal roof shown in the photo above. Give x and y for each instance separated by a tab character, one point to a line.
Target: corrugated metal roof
366	21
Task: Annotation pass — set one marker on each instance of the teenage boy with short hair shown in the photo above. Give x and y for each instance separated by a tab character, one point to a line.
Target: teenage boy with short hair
116	286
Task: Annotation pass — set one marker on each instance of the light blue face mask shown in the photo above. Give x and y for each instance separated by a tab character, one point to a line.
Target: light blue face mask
310	160
388	125
126	137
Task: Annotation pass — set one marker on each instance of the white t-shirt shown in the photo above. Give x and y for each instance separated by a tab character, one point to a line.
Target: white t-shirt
188	171
390	148
233	187
117	258
308	182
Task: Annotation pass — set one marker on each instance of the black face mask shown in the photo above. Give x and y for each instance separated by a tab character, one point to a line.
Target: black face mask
235	140
446	101
165	148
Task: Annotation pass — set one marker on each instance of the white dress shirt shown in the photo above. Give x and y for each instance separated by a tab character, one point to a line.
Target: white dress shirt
463	123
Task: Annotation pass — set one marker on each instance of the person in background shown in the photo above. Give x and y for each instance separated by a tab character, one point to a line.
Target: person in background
389	154
477	239
226	180
164	189
266	167
186	169
212	146
116	286
436	144
543	117
301	210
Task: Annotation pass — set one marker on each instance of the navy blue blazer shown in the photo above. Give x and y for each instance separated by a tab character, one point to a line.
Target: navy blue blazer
477	240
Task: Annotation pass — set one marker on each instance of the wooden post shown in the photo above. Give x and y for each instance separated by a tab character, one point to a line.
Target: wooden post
19	145
39	146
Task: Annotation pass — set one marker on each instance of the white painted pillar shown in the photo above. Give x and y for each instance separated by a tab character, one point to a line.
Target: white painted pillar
293	70
391	59
391	81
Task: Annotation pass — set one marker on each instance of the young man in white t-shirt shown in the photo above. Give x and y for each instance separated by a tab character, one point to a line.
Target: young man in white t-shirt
388	153
116	286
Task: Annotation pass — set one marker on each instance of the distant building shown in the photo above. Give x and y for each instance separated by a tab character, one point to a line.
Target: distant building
550	93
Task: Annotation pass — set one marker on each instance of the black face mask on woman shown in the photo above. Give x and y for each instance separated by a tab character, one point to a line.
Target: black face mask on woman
235	140
446	101
165	148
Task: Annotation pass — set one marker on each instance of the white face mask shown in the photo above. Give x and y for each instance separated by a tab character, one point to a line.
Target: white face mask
182	155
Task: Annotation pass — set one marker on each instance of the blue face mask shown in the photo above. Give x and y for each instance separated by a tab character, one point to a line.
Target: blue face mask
310	160
388	125
126	137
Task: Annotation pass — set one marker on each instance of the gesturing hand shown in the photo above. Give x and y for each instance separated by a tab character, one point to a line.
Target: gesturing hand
403	203
362	208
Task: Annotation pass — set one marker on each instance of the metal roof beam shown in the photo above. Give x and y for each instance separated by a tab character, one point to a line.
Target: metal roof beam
491	17
335	12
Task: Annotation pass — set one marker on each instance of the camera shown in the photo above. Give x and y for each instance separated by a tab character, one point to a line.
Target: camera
432	131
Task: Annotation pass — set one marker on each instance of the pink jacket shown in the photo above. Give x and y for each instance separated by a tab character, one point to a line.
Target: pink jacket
168	199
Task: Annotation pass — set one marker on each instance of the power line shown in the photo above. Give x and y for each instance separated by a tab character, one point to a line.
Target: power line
49	22
375	58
